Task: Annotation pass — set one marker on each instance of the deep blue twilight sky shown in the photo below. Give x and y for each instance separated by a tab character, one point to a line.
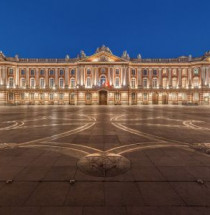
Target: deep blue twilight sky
54	28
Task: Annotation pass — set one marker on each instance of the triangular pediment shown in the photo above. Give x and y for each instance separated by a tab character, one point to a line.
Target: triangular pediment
103	57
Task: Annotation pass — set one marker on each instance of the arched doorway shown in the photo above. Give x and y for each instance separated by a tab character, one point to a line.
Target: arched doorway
155	98
103	97
165	98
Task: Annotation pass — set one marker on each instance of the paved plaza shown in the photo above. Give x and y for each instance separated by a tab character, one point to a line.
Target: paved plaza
116	160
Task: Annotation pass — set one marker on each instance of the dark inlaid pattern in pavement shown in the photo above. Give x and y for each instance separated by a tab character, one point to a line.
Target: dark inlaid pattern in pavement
41	145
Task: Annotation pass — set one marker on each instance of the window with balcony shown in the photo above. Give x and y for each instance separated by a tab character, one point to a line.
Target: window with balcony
174	82
184	82
196	82
165	83
23	82
133	72
117	82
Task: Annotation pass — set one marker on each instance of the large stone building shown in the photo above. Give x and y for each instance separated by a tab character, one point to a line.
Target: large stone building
104	78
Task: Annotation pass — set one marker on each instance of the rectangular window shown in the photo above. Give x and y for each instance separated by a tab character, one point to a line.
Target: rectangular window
41	72
32	72
145	96
11	96
23	82
11	71
144	72
61	72
23	72
32	96
22	96
88	82
51	72
72	72
42	96
11	82
133	72
61	83
32	82
155	72
117	71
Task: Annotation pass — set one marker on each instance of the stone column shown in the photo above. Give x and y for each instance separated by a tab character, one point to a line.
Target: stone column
180	78
27	77
150	78
16	77
56	77
189	77
202	76
169	78
139	77
160	78
67	77
37	77
1	77
46	78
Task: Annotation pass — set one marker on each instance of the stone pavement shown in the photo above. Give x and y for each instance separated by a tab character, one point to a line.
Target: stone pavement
41	145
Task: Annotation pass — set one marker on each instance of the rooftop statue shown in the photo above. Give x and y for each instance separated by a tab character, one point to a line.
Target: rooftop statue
104	49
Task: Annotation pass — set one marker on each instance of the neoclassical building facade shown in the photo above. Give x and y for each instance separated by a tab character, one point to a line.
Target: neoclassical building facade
105	79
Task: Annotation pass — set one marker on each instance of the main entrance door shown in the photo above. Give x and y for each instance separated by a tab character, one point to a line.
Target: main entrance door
103	97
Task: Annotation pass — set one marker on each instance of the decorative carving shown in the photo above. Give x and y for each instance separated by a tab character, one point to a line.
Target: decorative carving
125	55
103	48
82	54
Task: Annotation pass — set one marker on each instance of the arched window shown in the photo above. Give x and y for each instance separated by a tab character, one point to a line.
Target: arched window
196	82
42	83
174	82
61	83
117	82
11	82
154	82
145	82
51	82
184	82
133	82
23	82
72	72
165	82
103	80
32	82
72	83
88	82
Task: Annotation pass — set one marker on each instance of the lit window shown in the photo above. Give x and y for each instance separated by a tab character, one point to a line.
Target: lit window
184	82
23	82
61	83
117	96
145	83
51	82
42	96
145	96
133	82
72	83
51	96
196	82
117	82
42	83
174	82
61	96
154	82
32	82
11	82
88	82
